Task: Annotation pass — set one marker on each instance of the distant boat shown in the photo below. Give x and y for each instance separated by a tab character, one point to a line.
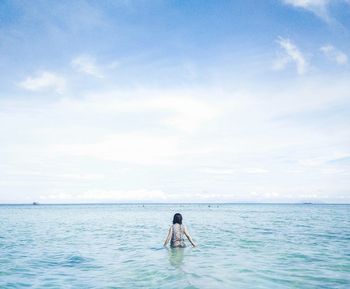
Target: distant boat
35	203
307	203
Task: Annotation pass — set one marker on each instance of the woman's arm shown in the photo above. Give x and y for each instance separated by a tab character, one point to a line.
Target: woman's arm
169	236
189	237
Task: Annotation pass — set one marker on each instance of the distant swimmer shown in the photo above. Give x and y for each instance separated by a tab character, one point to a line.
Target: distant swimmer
176	232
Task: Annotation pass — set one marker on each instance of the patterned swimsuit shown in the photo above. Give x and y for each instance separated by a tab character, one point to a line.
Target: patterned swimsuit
177	240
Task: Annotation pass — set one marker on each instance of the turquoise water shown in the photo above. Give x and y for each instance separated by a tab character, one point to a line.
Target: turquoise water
120	246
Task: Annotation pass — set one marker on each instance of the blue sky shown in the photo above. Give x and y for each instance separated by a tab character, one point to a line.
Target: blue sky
175	101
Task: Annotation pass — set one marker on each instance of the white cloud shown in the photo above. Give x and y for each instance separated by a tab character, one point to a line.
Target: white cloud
87	65
334	54
308	4
105	196
180	109
142	116
291	54
318	7
252	170
251	141
134	148
190	114
44	81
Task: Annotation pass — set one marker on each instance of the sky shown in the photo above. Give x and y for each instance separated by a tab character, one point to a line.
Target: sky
175	101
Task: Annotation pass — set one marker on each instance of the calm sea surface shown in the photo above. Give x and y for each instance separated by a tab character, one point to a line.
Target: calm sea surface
120	246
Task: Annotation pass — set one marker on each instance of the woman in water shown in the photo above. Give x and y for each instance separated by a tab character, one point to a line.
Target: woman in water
176	232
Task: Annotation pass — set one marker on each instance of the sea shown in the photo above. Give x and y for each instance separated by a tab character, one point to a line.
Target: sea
121	246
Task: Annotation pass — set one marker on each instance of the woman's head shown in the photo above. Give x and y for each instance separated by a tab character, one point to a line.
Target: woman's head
177	219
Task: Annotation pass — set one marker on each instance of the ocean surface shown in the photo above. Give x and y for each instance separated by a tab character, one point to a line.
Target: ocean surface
120	246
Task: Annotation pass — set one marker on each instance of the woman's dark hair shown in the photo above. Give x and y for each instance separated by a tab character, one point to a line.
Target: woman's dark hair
177	219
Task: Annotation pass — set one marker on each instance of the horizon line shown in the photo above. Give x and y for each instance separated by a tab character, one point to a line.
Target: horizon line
174	203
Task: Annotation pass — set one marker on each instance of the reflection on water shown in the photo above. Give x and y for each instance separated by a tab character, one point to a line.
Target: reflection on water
176	256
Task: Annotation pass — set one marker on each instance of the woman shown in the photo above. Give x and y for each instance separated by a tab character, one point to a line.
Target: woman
176	232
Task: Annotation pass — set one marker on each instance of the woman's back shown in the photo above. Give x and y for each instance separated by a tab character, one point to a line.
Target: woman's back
176	232
177	239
